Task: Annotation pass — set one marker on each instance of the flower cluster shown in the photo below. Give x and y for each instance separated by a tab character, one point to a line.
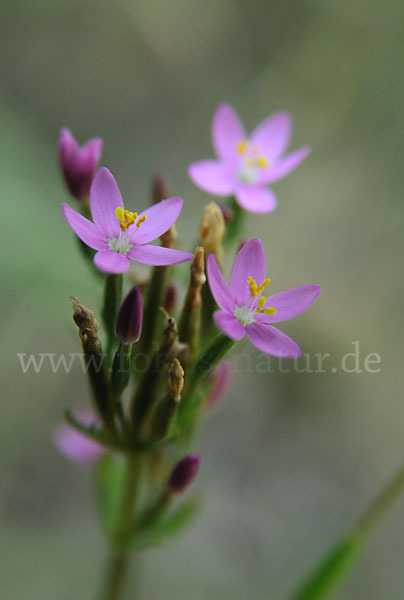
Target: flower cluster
142	417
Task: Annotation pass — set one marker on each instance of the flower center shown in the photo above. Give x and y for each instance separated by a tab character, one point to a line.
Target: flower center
120	244
127	218
246	313
252	162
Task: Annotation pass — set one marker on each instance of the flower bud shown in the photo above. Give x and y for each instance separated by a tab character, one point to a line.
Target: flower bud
220	380
183	474
78	164
128	324
227	212
212	230
159	189
170	298
175	382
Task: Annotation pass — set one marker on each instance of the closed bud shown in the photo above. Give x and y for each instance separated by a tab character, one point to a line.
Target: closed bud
128	325
170	298
219	380
78	164
183	474
175	382
227	212
159	189
212	230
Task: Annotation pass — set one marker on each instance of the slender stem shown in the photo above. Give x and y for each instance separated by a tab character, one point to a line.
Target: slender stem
381	505
112	301
119	560
115	576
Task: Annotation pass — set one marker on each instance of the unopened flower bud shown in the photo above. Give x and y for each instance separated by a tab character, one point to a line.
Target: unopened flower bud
170	298
183	474
220	378
175	382
128	325
78	164
159	189
227	212
212	230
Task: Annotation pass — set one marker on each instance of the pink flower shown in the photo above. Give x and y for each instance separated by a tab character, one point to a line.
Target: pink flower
244	310
246	165
118	234
78	164
76	447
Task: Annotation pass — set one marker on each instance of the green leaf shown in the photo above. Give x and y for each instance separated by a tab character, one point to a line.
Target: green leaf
164	528
110	481
331	570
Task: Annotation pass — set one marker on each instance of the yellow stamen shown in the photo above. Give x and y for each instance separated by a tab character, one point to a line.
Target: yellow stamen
242	146
257	289
125	217
261	302
141	220
262	162
271	310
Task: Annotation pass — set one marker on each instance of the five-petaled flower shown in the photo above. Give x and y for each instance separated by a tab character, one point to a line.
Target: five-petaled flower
119	235
78	163
245	166
244	309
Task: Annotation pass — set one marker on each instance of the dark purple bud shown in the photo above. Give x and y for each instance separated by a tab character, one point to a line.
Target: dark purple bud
170	298
159	189
78	164
183	474
227	212
128	325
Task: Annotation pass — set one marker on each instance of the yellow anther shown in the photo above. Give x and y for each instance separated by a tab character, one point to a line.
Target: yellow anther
261	302
141	220
242	146
270	310
262	162
257	289
125	217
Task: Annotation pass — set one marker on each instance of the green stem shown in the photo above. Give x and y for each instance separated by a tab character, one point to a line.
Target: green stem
334	567
154	299
381	505
119	560
205	362
115	576
235	226
112	302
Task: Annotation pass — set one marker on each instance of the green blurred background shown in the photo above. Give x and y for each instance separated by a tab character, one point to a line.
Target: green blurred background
290	460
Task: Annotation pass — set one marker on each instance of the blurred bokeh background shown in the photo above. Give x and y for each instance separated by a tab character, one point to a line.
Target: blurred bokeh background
290	459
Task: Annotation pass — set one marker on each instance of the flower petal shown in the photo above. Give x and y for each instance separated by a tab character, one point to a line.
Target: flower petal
158	256
109	261
272	341
84	229
250	262
227	132
256	199
272	135
159	219
285	165
213	176
290	303
229	325
218	285
105	197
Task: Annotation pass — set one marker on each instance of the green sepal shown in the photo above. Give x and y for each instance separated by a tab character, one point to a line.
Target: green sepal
164	527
